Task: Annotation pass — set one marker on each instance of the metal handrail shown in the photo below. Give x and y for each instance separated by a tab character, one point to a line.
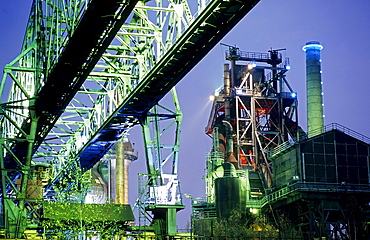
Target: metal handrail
314	187
318	131
343	129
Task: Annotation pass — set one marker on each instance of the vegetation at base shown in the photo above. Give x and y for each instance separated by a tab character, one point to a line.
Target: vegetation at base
74	229
244	226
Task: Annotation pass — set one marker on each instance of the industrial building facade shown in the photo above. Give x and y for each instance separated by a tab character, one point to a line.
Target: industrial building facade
323	184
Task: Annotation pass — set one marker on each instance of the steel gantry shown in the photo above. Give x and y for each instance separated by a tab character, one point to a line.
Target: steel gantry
89	71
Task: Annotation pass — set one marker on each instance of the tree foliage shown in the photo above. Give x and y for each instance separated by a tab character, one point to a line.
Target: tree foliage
246	226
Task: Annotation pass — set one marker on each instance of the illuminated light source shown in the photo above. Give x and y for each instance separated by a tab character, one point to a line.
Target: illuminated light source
252	65
314	45
253	210
212	97
287	67
293	94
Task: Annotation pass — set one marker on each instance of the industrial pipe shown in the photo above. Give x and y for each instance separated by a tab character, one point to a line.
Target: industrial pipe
230	146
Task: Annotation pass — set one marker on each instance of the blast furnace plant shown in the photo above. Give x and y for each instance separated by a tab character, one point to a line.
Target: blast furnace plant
265	173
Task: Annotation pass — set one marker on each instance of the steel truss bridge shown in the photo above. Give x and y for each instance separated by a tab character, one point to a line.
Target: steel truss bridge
88	71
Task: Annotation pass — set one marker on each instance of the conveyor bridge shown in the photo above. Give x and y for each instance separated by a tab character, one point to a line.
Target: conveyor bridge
88	71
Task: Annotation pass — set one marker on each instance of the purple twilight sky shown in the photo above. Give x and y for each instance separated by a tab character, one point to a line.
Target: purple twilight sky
342	27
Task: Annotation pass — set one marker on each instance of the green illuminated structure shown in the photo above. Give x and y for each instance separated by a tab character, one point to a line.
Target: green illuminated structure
89	71
315	113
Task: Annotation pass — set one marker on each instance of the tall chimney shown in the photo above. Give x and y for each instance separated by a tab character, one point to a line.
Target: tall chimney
315	116
125	154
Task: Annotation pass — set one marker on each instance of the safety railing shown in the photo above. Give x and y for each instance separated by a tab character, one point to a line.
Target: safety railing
343	129
333	126
296	187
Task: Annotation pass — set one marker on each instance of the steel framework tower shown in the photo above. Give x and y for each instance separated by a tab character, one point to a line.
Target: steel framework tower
256	109
88	72
253	112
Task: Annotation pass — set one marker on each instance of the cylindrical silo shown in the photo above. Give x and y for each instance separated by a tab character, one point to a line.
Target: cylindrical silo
315	115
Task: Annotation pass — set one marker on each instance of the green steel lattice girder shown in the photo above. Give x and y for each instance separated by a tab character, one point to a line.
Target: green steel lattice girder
204	33
78	58
93	35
